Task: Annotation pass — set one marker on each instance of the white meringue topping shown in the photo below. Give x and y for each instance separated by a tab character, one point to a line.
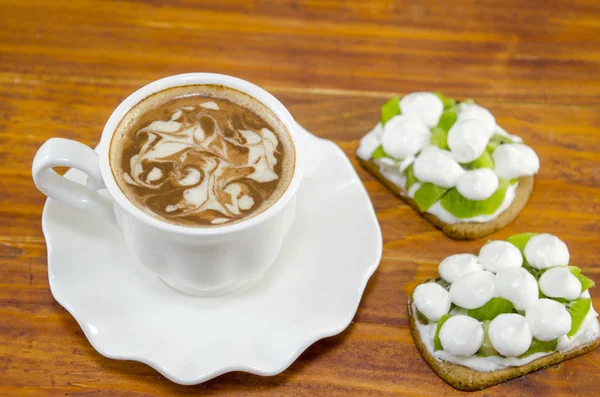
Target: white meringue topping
461	336
477	184
472	111
510	334
438	167
548	319
518	286
404	136
512	160
545	250
559	282
497	255
473	290
425	106
432	300
454	266
467	140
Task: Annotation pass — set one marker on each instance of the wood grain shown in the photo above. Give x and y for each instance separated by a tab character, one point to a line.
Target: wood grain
65	65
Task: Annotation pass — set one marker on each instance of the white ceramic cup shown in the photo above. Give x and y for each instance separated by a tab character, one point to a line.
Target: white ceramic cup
195	260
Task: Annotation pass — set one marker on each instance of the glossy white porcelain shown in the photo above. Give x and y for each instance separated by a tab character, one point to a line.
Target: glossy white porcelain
310	292
198	261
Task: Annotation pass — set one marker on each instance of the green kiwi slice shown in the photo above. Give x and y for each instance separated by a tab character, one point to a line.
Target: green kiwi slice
379	153
484	161
578	309
437	343
427	195
448	118
491	310
486	348
462	207
390	109
496	140
520	241
411	179
439	138
586	283
538	346
448	102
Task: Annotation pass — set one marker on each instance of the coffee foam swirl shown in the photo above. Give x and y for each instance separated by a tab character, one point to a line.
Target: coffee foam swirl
206	161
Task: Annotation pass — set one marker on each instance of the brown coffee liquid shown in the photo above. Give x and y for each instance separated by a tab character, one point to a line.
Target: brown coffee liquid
203	155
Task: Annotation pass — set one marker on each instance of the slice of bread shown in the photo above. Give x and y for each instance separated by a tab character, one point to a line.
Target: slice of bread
466	230
467	379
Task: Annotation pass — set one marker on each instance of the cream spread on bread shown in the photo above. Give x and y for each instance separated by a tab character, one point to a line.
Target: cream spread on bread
450	146
511	313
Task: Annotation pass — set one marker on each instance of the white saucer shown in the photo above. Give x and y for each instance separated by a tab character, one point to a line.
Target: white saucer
312	290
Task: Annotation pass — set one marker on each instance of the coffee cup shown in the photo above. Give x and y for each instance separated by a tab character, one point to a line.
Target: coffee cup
198	260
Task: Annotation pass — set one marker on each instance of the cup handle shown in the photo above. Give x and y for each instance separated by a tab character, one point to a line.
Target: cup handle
59	152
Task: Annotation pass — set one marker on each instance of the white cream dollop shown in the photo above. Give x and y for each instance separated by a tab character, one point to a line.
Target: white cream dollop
548	319
437	166
513	160
559	282
404	136
467	140
455	266
497	255
473	289
432	300
370	142
472	111
545	250
477	184
425	106
510	334
461	336
518	286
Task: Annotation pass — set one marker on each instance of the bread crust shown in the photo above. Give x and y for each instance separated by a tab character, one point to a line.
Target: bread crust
466	230
467	379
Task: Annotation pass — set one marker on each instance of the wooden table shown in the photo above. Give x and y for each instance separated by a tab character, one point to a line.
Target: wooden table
65	65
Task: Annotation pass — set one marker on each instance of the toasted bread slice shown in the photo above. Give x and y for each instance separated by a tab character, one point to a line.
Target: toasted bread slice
466	230
467	379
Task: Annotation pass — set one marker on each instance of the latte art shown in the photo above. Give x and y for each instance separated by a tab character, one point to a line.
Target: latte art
202	160
195	146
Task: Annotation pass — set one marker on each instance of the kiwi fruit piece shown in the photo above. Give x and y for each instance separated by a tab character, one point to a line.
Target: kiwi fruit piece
439	138
448	102
448	118
491	309
390	109
379	153
586	283
578	309
538	346
483	161
496	140
520	240
427	195
486	348
461	207
410	177
437	343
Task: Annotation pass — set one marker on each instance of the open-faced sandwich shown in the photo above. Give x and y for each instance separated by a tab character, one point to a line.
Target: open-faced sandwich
515	308
451	162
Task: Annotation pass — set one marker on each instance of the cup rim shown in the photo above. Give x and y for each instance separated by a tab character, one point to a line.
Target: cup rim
244	86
